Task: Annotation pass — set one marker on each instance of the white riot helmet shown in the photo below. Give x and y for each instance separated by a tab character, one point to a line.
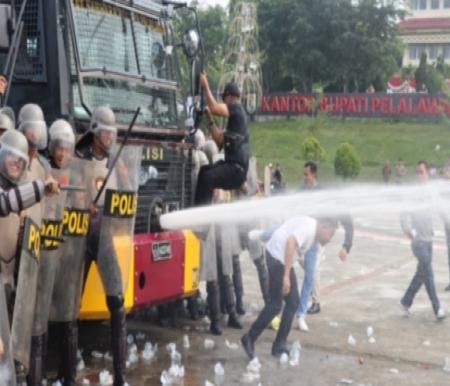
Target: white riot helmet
103	125
62	142
6	123
32	124
13	155
210	149
199	139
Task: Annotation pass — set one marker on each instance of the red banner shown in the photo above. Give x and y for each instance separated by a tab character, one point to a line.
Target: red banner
357	105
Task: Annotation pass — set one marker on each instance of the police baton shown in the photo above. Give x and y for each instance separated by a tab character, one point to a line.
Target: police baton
124	141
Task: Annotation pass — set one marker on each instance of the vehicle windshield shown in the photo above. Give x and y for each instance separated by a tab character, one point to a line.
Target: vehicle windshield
130	45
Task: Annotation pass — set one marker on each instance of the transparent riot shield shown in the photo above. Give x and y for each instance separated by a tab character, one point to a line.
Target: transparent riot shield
27	279
65	302
51	231
208	268
8	246
115	240
26	285
224	245
7	373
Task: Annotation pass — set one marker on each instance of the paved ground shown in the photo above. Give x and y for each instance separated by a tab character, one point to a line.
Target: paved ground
362	292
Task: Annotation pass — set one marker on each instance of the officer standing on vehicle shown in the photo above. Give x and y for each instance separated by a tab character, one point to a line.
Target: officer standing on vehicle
96	147
230	173
61	147
32	125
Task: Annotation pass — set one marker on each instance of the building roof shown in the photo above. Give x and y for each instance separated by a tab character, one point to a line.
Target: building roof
425	23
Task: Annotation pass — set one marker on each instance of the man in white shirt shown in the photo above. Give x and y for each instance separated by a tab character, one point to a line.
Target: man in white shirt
295	235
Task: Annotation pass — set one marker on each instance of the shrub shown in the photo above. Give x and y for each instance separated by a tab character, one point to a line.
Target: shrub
313	150
347	162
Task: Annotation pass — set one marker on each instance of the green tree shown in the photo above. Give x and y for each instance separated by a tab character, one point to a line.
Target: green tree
347	162
312	149
214	29
342	44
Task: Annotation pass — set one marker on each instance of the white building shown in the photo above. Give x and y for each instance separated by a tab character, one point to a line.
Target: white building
426	28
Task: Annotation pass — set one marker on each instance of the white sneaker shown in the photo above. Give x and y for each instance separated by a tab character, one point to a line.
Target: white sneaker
441	314
406	311
302	324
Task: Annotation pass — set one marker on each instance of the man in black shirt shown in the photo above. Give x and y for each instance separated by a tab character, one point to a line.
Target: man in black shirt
231	173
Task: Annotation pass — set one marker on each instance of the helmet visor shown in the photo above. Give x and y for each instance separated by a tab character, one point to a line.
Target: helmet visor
35	132
106	138
12	163
61	152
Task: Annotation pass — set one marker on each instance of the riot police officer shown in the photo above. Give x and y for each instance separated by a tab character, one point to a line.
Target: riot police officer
96	147
33	126
61	147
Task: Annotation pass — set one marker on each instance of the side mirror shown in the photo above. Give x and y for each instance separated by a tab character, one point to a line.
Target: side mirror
191	43
5	26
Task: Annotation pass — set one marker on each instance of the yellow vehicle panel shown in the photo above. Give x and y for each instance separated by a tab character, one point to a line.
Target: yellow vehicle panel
93	302
191	263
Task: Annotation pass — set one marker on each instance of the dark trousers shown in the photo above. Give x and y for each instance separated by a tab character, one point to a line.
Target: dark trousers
221	175
423	250
275	303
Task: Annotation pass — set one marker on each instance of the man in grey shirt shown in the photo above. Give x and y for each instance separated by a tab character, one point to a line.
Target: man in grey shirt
418	226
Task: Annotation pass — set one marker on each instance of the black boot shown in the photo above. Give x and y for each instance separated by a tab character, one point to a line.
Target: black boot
238	285
118	337
68	352
44	357
233	318
21	375
212	289
34	377
193	307
263	276
10	298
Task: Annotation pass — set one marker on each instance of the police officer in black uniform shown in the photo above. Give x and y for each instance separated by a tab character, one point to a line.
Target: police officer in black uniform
229	174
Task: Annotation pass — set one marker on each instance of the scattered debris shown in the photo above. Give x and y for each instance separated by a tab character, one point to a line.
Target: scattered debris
284	359
96	354
140	336
85	382
351	341
186	343
80	362
345	381
107	356
231	346
173	375
447	365
394	371
294	353
209	344
252	373
149	351
370	331
333	324
105	378
426	343
208	383
218	369
372	340
130	339
361	360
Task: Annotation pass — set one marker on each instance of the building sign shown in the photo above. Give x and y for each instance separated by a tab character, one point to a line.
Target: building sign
357	105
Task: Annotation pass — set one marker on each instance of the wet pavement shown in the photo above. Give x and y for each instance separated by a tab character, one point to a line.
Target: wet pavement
362	292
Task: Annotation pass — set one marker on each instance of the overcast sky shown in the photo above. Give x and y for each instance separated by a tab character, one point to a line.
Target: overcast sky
205	3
